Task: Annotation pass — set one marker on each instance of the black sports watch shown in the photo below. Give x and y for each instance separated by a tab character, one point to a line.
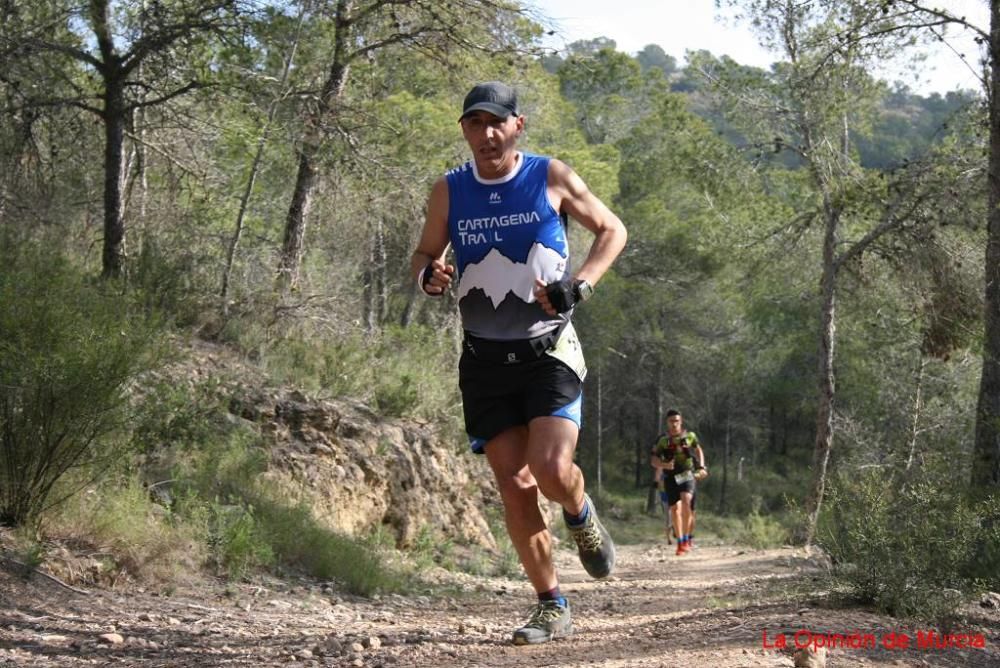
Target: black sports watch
582	290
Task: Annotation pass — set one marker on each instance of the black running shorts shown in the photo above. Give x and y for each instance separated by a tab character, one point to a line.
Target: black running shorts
674	489
665	498
496	397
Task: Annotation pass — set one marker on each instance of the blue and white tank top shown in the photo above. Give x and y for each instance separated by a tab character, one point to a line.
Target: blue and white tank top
505	233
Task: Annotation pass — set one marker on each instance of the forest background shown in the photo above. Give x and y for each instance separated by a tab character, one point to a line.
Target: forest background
811	275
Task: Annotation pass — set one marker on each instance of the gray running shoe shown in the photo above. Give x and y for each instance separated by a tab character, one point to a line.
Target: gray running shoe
594	544
549	620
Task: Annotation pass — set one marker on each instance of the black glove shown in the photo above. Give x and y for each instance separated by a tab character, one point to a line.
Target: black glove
561	294
426	279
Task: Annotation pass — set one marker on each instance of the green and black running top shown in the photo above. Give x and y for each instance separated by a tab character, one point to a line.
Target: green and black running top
680	448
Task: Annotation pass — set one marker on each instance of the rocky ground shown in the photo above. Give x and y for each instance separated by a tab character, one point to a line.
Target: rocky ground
712	607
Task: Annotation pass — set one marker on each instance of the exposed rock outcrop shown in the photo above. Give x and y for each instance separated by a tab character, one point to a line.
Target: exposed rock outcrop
359	471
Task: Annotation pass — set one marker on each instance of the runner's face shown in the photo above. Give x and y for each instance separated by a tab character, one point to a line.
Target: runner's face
492	140
675	424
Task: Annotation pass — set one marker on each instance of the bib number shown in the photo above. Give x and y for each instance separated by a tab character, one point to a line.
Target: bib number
681	478
569	351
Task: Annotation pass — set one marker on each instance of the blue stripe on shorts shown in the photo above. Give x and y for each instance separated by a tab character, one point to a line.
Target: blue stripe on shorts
573	411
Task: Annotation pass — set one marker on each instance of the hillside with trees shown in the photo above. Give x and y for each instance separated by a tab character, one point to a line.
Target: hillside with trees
812	277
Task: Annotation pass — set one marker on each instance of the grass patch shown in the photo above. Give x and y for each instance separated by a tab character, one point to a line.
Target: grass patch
473	559
132	534
763	532
400	371
713	529
195	498
300	543
234	536
249	525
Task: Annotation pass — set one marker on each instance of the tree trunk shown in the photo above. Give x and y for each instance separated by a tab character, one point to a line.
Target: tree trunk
986	451
641	452
651	500
10	176
265	134
725	467
293	246
234	240
918	404
379	269
411	301
659	398
135	169
375	294
772	435
114	115
141	163
826	383
113	255
783	449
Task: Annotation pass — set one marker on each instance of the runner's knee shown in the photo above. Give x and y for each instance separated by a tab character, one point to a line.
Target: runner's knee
514	484
554	475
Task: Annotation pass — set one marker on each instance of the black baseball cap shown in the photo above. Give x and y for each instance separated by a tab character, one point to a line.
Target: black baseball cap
495	97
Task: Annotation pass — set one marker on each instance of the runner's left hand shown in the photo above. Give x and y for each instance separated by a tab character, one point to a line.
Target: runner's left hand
544	300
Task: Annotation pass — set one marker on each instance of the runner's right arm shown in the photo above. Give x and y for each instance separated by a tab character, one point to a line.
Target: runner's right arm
430	252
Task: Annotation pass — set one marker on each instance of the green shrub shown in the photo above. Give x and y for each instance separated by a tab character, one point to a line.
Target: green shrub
417	372
339	368
762	531
176	415
137	535
761	488
407	371
983	565
912	549
430	548
166	281
397	399
726	529
27	552
237	541
248	525
476	560
302	544
69	349
211	467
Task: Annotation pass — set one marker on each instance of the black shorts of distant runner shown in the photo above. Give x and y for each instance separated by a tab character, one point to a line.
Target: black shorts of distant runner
674	488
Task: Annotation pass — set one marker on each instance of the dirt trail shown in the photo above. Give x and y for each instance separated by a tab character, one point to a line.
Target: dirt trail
706	609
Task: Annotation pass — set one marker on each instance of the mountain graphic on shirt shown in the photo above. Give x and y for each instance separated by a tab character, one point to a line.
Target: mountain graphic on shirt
497	275
512	319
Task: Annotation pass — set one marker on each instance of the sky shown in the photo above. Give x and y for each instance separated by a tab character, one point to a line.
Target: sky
681	25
